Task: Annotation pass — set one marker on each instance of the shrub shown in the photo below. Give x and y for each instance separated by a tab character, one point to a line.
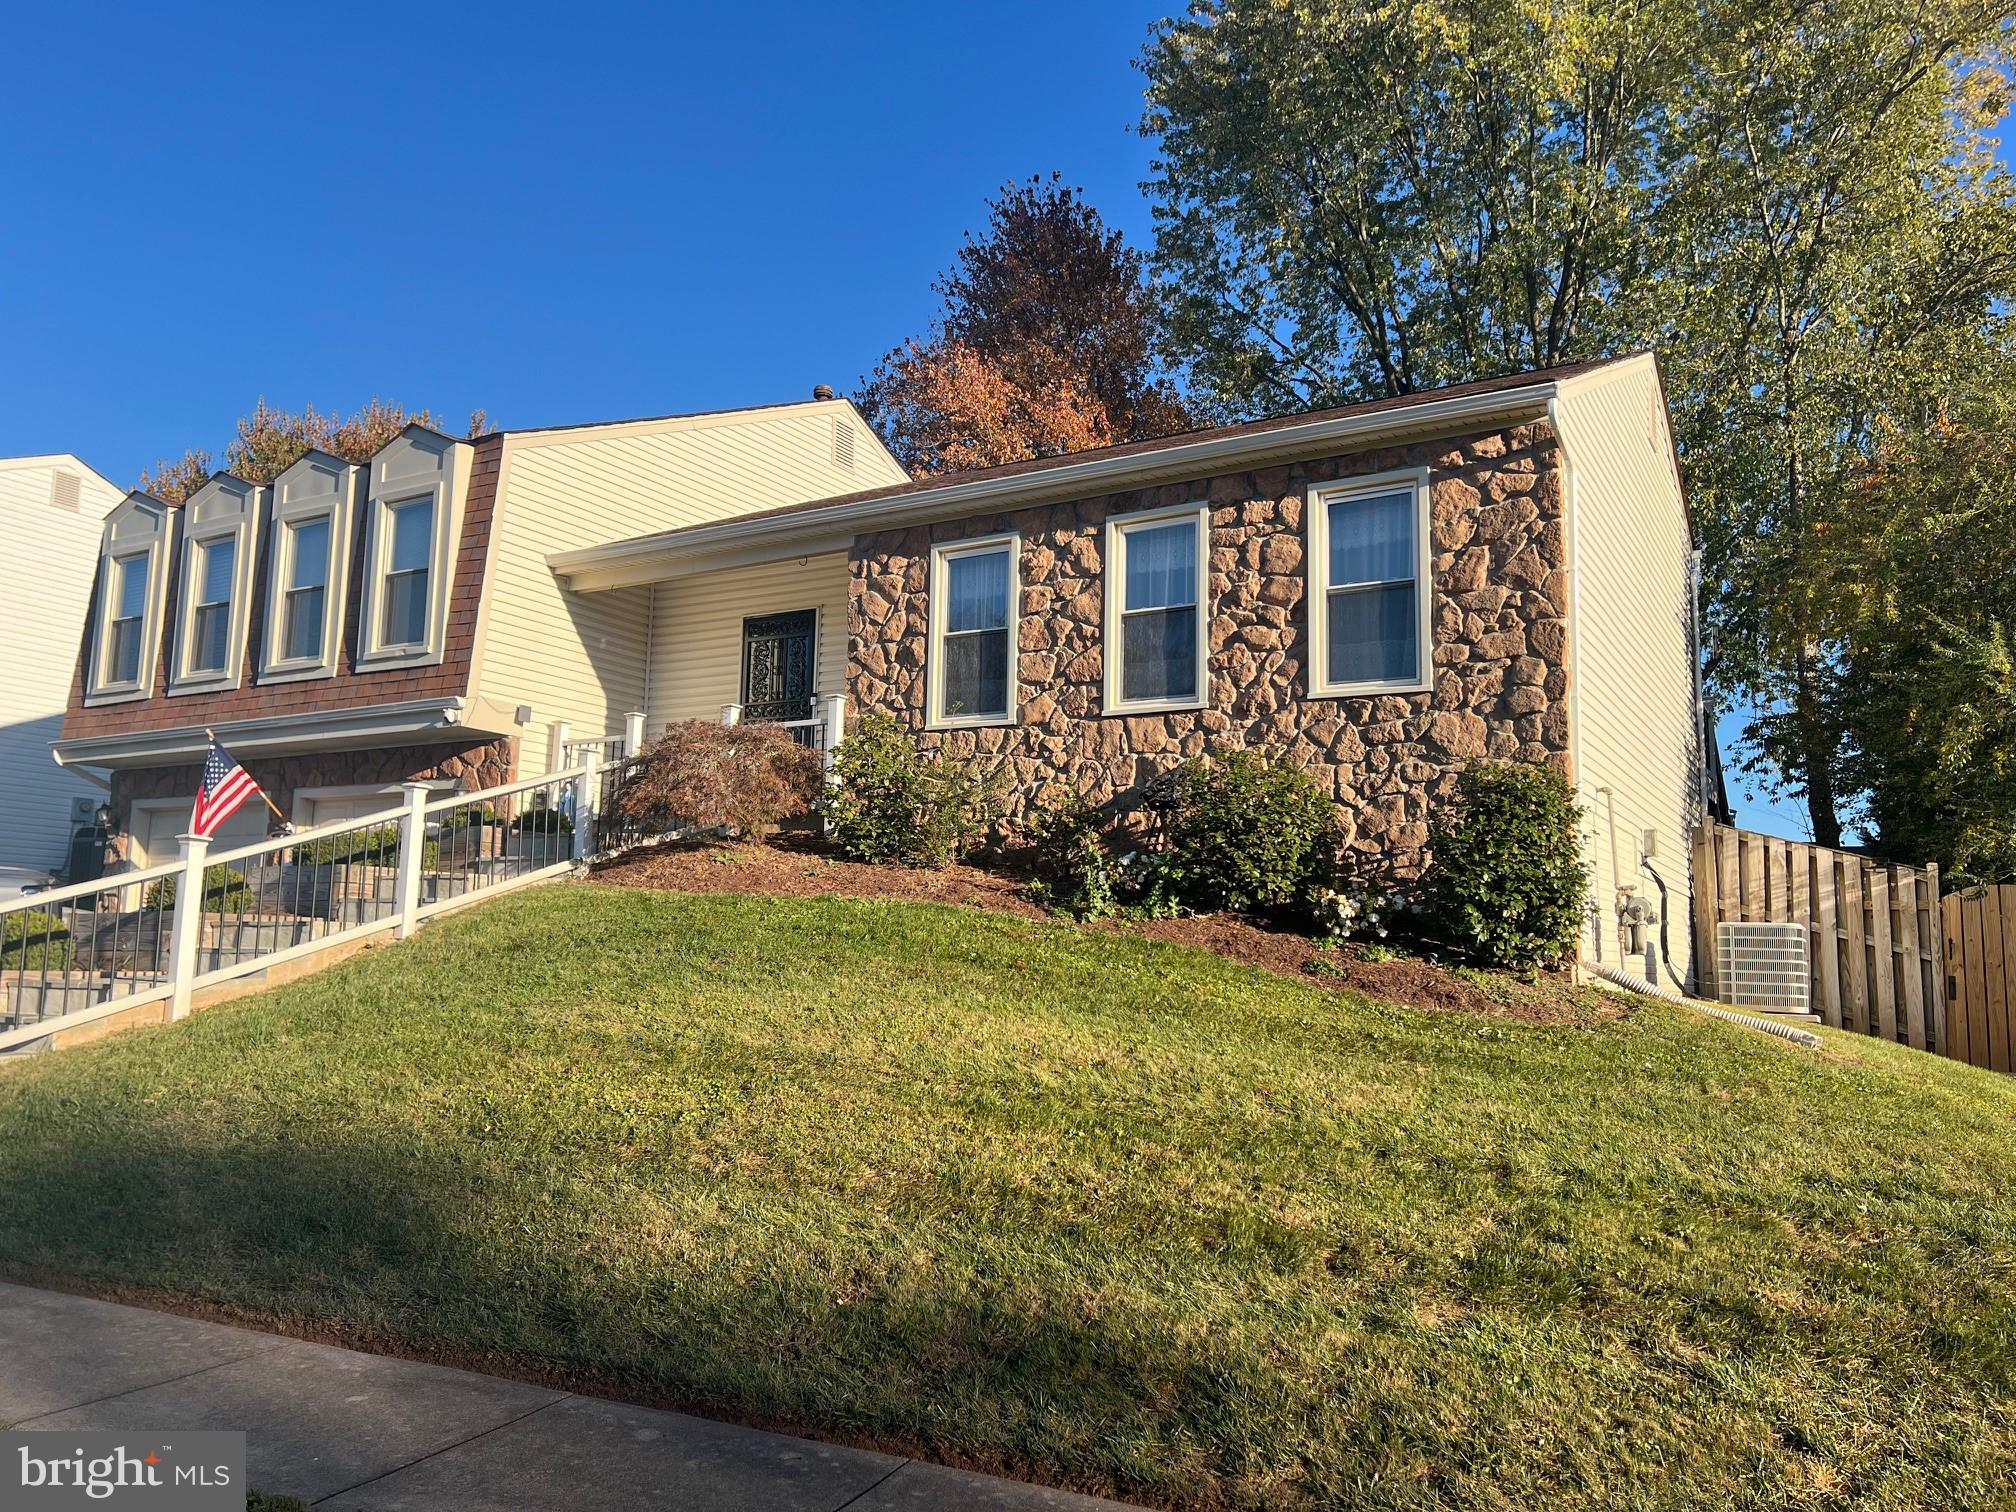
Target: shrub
372	847
744	777
1075	871
1507	884
889	801
543	821
35	941
224	891
1246	834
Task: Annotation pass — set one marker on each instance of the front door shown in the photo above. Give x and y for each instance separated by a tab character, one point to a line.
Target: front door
777	652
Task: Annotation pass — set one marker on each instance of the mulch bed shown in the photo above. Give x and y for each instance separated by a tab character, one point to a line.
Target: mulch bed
802	866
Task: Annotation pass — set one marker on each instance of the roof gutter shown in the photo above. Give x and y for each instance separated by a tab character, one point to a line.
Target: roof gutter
273	735
644	559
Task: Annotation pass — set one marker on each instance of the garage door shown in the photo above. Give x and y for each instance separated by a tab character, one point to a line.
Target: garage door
347	806
160	828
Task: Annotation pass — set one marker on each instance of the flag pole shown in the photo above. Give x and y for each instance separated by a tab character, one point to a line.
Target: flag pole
212	735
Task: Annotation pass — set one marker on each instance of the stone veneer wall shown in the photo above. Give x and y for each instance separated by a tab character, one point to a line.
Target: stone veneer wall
1500	567
474	767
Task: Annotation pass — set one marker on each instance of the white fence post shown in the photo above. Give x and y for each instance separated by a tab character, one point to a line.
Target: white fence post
731	714
585	790
558	733
187	926
412	838
633	732
833	711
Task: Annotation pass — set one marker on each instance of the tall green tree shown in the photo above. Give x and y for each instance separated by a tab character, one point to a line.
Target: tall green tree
1798	206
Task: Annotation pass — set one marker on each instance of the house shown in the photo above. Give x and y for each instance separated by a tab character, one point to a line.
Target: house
52	512
1383	592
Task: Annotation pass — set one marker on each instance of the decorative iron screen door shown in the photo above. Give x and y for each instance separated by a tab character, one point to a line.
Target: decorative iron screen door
777	651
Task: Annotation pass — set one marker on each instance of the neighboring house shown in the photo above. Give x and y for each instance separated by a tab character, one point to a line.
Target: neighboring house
1382	592
52	512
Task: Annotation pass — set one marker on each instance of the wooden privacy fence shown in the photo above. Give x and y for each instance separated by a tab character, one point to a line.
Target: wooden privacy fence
1980	929
1876	946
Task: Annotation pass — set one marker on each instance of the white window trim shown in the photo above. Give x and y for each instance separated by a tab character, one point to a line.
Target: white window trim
934	662
241	528
157	548
339	508
448	490
1114	574
1317	563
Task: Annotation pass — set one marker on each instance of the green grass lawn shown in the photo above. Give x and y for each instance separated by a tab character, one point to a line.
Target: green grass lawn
1076	1206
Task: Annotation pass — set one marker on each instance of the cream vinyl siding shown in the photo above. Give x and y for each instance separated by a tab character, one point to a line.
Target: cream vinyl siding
48	559
582	657
1632	660
696	632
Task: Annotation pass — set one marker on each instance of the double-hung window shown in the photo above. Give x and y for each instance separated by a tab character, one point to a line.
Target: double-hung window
408	563
125	630
1369	602
210	624
306	598
975	590
1155	610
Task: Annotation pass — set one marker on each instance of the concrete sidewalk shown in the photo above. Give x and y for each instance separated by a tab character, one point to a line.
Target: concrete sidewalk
346	1430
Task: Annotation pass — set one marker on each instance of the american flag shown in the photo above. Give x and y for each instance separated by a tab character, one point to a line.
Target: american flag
225	789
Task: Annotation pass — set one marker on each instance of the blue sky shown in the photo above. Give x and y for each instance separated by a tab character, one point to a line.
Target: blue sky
621	212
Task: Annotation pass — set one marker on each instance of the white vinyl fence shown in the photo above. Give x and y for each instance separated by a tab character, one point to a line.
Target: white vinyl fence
164	933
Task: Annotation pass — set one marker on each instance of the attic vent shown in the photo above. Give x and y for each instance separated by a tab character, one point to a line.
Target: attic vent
843	445
66	490
1763	966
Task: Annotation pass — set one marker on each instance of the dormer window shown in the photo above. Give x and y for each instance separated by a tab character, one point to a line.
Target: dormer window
407	571
132	589
308	567
414	511
210	637
129	618
213	620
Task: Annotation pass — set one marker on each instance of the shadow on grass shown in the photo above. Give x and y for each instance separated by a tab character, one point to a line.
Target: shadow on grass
404	1247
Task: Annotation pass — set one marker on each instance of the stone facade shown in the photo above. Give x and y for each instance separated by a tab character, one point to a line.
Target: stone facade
1501	674
474	767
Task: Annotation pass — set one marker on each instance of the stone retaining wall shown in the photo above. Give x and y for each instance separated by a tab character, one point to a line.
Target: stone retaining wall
1500	569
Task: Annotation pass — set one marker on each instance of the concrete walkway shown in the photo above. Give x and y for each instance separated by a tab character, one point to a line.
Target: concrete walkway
346	1430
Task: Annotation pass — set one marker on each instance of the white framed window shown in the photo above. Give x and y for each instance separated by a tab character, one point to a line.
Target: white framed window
1370	598
408	561
213	614
307	567
1156	576
975	613
125	633
417	487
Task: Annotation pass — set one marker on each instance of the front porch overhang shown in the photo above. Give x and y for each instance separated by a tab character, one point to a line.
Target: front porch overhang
412	723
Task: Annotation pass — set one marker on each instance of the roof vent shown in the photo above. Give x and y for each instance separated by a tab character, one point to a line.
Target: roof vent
822	391
843	444
66	490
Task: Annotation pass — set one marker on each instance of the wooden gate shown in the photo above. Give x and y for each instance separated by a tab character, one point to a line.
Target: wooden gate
1980	929
1877	966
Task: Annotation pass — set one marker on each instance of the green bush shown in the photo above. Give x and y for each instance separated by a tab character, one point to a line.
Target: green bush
889	801
224	891
1246	834
543	821
35	941
1507	884
1075	870
372	847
